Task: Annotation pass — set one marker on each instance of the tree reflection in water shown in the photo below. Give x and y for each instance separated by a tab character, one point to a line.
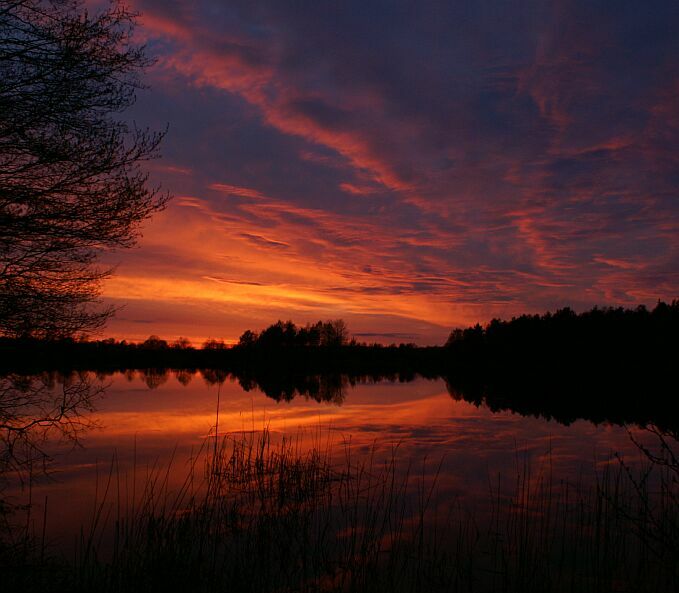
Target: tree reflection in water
255	506
40	409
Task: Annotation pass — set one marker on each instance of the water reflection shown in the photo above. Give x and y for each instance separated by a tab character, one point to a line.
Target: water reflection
158	424
40	410
320	387
33	408
528	393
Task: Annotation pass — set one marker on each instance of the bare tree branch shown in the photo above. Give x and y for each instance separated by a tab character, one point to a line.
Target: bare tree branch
71	177
35	409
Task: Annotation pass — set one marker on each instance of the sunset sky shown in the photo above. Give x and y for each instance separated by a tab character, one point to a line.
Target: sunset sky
407	166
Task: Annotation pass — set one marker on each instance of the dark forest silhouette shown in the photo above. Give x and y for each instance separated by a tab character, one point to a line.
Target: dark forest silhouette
555	366
601	335
612	364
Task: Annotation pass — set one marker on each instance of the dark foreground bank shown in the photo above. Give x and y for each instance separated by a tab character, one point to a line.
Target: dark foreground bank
259	517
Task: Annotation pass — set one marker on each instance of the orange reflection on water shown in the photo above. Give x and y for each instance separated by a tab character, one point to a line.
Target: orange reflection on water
146	432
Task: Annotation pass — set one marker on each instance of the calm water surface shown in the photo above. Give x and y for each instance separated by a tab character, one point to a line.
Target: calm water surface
140	430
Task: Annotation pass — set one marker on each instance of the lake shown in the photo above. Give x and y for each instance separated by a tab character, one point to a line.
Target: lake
146	426
157	425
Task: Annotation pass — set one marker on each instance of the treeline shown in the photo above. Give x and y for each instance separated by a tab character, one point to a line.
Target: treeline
329	334
280	348
608	324
563	342
282	334
604	365
600	334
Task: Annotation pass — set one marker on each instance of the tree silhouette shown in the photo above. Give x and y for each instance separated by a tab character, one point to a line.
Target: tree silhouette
182	343
334	333
247	339
331	334
153	342
36	408
212	344
71	182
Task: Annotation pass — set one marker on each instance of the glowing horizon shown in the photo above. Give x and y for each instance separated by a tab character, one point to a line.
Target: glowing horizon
409	168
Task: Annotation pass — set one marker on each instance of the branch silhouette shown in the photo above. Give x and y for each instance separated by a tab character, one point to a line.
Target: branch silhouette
71	177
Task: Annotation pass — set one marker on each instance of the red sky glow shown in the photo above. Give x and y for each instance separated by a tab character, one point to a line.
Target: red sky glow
409	167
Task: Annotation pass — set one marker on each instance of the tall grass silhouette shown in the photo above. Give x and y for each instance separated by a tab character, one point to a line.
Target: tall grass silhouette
258	513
